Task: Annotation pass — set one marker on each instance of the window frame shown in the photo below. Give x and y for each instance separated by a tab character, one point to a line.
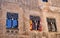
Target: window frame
12	18
45	0
31	23
51	21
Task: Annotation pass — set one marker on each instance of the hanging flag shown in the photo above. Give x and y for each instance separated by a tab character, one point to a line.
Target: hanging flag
30	24
40	27
8	23
14	24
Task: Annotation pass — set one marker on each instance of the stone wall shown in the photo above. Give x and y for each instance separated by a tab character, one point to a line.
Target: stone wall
24	10
55	3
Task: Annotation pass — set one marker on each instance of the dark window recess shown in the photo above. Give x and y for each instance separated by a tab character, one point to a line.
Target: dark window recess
34	22
8	31
51	24
45	0
12	20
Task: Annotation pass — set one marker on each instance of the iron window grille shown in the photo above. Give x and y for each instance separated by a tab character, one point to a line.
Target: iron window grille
12	21
51	22
35	23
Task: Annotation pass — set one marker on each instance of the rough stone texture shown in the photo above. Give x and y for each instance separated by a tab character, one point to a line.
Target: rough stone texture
24	9
55	3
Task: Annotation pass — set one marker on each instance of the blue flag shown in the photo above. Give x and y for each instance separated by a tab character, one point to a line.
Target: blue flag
8	23
14	24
